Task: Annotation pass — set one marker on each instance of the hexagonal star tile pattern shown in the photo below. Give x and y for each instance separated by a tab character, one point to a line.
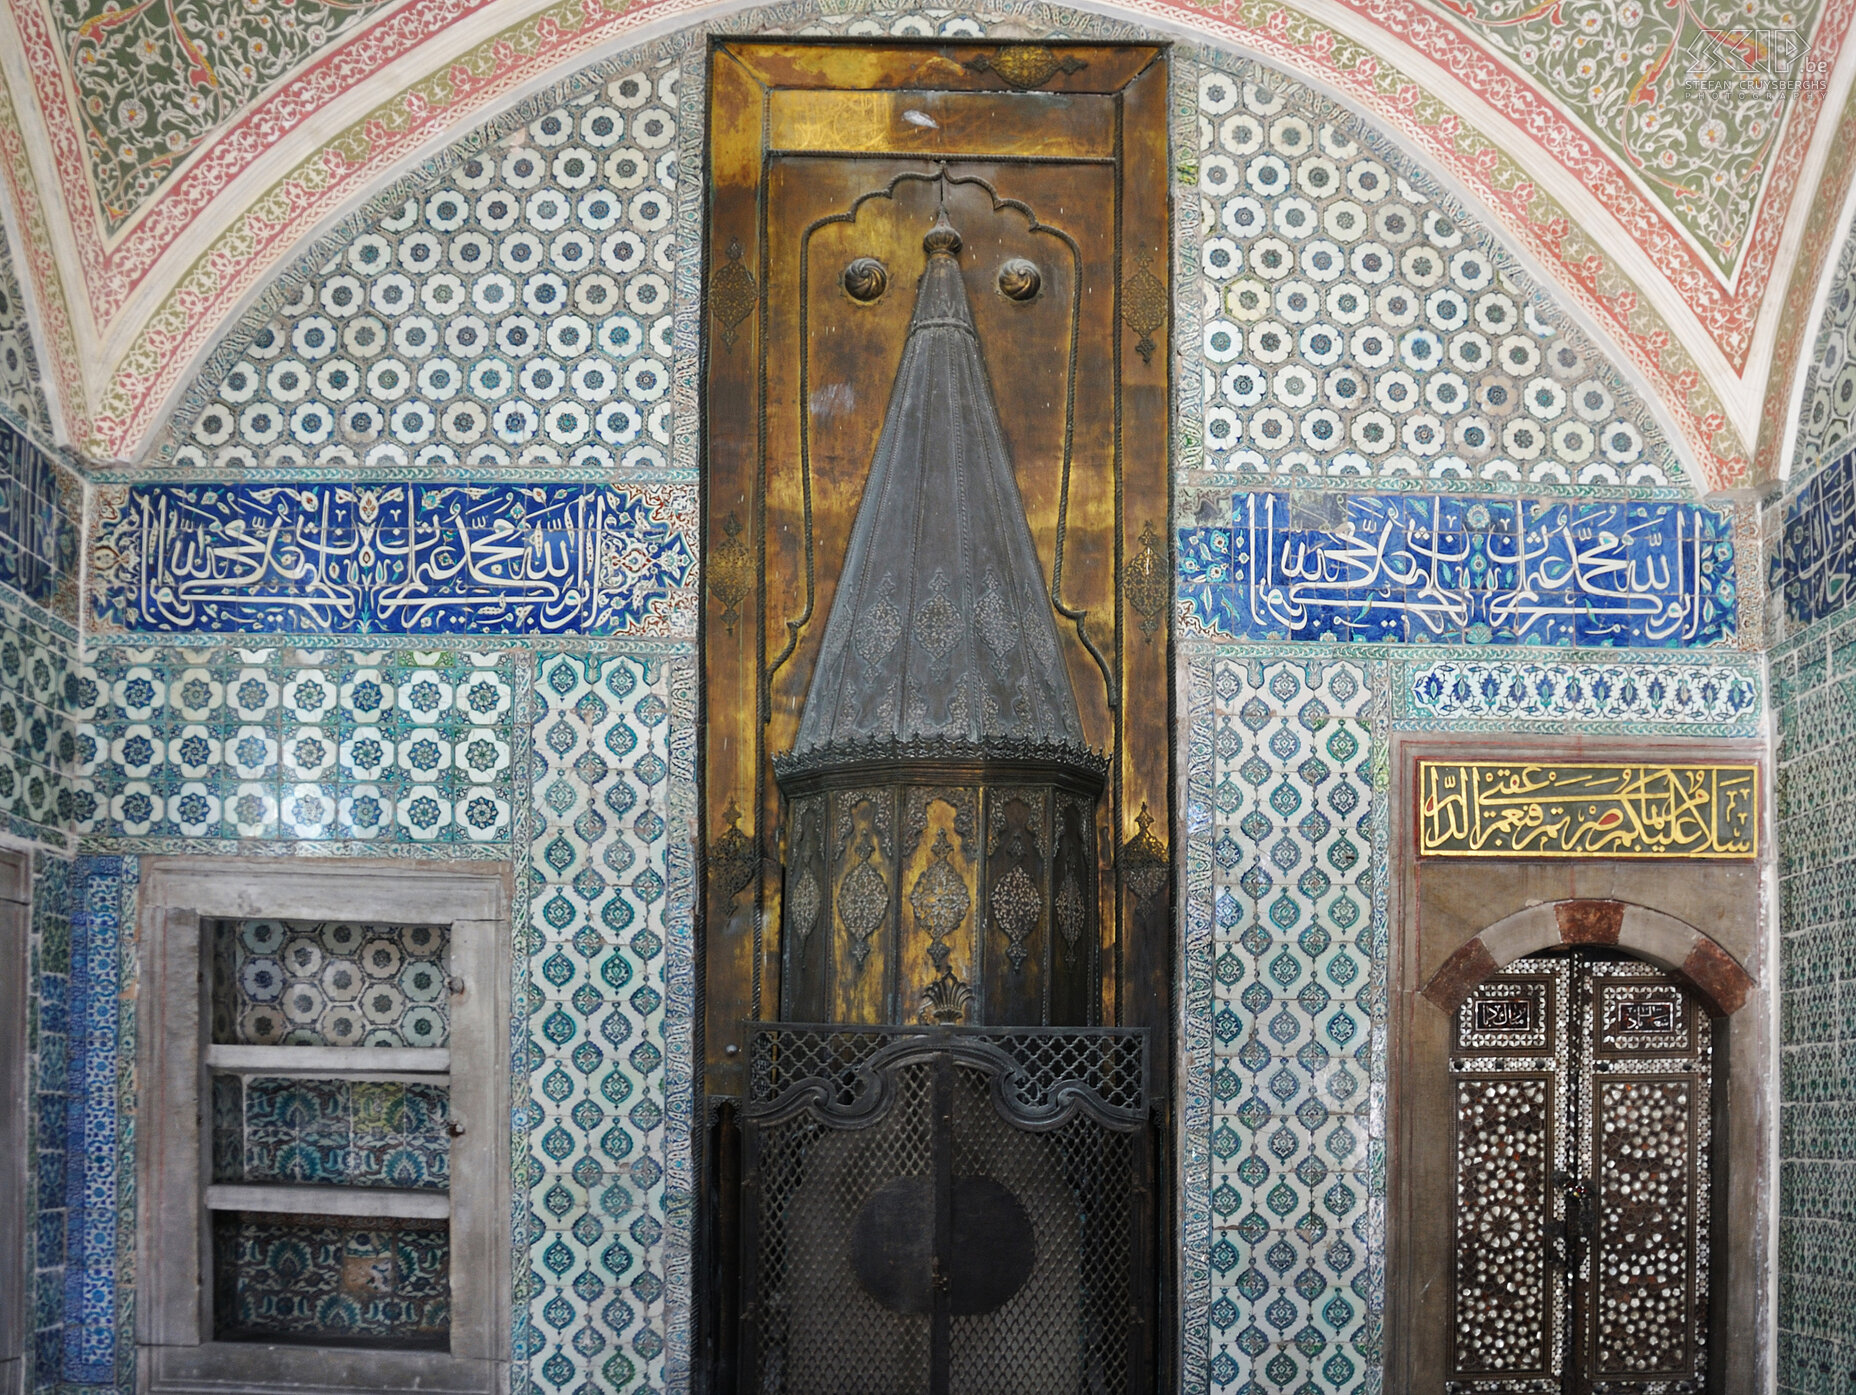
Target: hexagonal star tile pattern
327	746
1355	325
517	312
333	983
1295	1212
595	1175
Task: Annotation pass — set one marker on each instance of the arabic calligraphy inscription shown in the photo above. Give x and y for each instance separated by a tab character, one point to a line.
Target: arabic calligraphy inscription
1814	564
1437	569
1509	809
393	558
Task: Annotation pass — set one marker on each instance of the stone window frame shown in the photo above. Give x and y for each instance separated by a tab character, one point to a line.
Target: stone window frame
174	1322
15	1129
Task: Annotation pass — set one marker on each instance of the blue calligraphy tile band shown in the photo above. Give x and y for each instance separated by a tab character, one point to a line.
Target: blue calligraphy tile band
1441	570
38	545
1814	564
390	559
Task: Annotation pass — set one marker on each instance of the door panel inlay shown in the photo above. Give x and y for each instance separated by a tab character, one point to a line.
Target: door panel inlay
1582	1086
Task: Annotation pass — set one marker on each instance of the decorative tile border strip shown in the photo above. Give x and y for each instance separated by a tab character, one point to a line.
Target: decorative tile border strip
1702	699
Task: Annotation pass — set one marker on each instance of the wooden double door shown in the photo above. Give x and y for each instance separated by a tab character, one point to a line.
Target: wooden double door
1580	1191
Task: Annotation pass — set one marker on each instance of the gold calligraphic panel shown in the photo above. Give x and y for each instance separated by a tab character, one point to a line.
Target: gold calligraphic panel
1513	809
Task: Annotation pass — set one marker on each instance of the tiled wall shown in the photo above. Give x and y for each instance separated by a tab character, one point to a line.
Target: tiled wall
402	681
1412	468
1349	342
1814	700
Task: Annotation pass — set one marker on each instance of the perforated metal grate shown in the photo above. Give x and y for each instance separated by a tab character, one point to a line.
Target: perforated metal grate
1038	1068
945	1212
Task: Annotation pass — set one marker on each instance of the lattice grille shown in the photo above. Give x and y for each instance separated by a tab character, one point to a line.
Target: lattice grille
1048	1127
1041	1068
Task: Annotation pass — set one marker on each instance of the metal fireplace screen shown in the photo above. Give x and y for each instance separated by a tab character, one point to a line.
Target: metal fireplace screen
946	1211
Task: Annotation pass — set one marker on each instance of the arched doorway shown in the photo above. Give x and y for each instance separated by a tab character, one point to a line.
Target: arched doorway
1580	1198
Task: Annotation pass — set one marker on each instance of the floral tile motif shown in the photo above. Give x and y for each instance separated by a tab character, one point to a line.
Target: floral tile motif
99	1160
1817	1092
596	1166
153	83
330	983
359	1133
1288	835
1710	699
1646	81
516	313
345	1277
37	737
1357	325
336	746
20	392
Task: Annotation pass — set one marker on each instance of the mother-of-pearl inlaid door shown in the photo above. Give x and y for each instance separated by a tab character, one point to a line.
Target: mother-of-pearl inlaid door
1580	1194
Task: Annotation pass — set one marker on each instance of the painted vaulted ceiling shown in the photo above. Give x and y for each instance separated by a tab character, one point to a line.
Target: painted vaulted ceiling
1678	167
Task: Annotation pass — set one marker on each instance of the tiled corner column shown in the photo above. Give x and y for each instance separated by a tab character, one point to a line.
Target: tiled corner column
1281	915
1816	808
82	1047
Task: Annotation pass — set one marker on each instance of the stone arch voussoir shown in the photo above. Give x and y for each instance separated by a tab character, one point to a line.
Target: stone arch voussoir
1715	975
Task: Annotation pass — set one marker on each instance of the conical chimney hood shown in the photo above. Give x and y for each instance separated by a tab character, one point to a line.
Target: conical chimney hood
939	852
941	635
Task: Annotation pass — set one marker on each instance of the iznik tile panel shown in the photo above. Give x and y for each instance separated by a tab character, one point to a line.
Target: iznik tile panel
1816	821
359	1133
360	1281
518	311
1356	326
1814	563
324	746
1698	695
37	736
38	541
393	559
1297	1233
595	1297
330	983
97	1130
52	1066
1436	569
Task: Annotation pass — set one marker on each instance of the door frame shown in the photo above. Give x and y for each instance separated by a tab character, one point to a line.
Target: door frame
1456	922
